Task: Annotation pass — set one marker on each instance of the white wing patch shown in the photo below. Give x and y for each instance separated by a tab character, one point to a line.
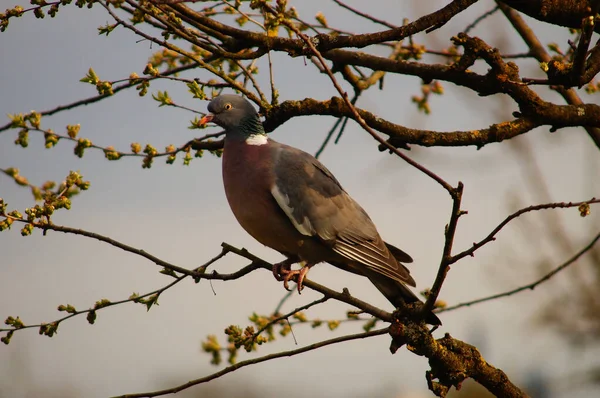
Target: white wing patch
305	228
257	139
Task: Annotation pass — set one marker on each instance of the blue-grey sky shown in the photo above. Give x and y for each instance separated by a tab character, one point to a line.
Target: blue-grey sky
180	214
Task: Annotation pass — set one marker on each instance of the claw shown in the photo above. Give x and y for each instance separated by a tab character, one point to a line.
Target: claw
299	274
283	268
287	278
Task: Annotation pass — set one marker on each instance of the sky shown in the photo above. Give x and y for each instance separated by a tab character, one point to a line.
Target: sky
180	214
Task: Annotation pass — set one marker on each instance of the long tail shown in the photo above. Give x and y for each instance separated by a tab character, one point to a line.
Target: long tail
398	294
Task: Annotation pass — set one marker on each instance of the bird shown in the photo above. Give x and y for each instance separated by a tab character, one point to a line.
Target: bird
289	201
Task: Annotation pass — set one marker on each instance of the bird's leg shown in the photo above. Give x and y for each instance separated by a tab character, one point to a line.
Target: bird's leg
301	273
280	270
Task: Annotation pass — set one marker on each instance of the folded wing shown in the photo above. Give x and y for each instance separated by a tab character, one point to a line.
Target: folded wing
318	206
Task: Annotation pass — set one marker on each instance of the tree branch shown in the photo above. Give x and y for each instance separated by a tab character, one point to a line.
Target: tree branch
444	267
325	42
567	13
50	328
531	285
255	361
365	15
492	235
196	274
289	314
96	98
539	52
343	297
399	135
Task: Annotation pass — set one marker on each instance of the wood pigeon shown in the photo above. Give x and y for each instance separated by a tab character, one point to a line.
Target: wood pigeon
287	200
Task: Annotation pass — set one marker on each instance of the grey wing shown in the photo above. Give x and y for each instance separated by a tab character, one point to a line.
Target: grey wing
317	205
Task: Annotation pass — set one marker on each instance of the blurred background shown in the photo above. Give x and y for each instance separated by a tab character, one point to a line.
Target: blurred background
546	340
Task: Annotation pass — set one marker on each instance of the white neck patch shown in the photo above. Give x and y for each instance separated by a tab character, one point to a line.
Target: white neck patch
257	139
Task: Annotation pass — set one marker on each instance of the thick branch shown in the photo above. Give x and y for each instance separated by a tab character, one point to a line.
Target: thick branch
567	13
539	52
452	361
398	134
325	42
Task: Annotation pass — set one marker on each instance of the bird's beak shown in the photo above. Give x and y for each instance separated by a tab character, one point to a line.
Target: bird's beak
206	119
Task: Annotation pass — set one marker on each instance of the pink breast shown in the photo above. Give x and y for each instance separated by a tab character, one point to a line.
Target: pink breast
248	177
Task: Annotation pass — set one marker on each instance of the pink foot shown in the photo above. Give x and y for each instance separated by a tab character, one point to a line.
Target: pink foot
283	272
299	274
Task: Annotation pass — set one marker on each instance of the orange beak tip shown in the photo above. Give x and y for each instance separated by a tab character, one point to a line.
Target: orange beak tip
206	119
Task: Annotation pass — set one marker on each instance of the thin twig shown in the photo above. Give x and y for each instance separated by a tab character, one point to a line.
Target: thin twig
289	314
328	136
233	83
195	274
285	298
274	92
364	15
237	9
473	24
342	129
529	286
492	235
96	98
340	121
255	361
104	305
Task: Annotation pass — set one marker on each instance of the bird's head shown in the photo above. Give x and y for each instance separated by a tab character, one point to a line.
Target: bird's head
230	112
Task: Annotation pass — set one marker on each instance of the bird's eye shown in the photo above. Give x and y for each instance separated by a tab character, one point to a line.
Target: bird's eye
227	107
